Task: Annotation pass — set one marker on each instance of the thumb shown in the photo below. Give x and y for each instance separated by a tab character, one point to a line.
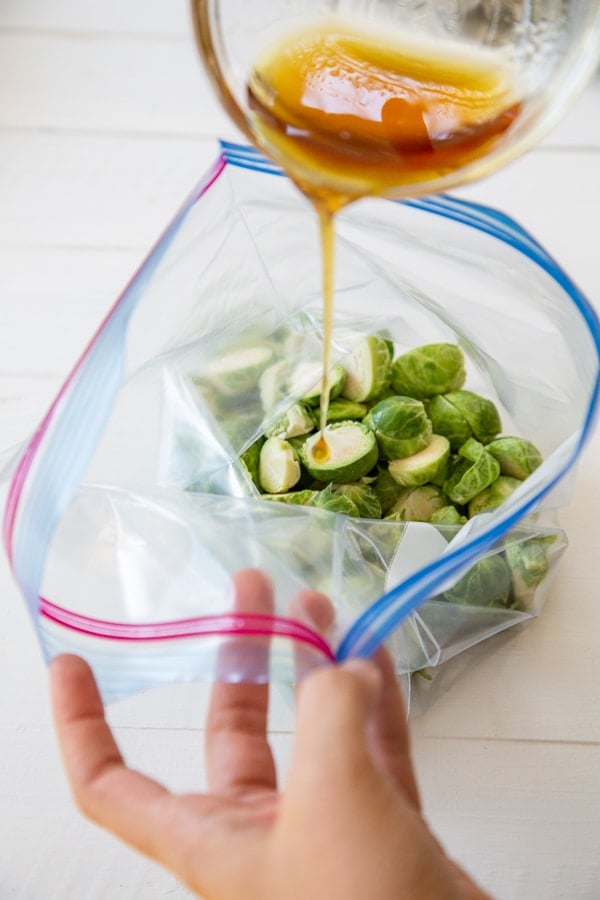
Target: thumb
334	709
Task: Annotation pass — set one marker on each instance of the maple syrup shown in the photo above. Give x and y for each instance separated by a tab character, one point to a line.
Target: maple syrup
350	113
320	451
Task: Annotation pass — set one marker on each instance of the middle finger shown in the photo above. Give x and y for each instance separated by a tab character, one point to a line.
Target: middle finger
238	756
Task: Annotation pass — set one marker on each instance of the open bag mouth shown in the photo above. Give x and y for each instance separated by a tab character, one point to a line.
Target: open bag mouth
128	511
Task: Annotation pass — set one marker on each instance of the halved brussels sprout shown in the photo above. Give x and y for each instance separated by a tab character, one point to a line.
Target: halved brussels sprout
474	471
368	369
487	583
278	468
429	464
417	504
238	372
429	370
271	385
296	422
494	495
250	460
302	381
517	457
312	397
400	425
352	453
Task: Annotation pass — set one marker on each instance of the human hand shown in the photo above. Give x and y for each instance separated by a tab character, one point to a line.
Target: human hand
348	824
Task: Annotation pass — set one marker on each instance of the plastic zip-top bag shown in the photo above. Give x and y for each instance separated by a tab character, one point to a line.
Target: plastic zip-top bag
133	504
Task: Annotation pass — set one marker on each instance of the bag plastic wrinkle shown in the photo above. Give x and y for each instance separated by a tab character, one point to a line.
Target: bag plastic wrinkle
129	510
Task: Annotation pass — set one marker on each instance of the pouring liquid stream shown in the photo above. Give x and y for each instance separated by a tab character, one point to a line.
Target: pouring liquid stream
350	114
326	224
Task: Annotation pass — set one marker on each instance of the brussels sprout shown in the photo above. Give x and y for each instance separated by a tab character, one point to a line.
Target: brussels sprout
487	583
368	369
335	502
389	344
278	468
400	425
342	411
296	422
422	673
250	460
528	563
472	450
387	489
303	381
493	495
271	385
448	421
300	498
238	372
297	443
429	464
480	413
417	504
312	397
352	453
517	457
460	415
429	370
474	471
447	515
364	498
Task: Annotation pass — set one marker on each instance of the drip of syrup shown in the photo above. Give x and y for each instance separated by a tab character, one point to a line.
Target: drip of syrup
320	451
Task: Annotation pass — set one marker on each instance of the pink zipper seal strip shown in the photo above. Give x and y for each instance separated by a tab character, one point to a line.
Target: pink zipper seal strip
222	625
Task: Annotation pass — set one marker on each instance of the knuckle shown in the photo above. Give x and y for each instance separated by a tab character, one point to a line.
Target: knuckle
84	802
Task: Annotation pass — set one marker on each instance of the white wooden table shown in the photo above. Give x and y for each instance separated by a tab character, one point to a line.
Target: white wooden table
104	121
